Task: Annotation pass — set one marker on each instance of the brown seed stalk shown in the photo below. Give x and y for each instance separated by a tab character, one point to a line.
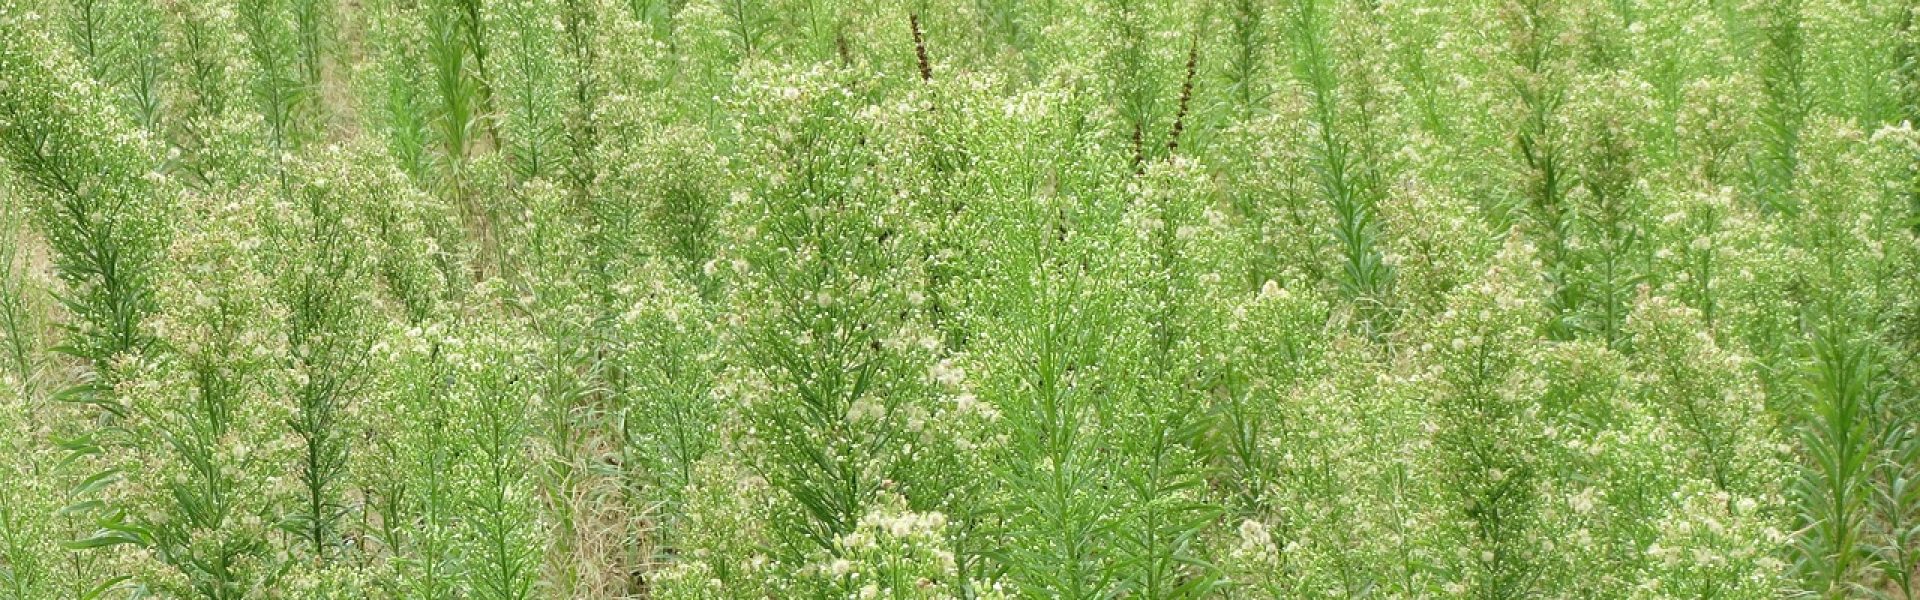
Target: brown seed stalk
1186	97
1139	151
920	47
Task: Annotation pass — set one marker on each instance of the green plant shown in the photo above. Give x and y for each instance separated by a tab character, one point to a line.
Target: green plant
1844	384
1347	180
1783	79
321	280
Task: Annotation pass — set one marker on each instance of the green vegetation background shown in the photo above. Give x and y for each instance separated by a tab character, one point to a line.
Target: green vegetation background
959	299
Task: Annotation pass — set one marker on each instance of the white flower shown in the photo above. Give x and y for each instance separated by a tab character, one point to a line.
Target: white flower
1582	502
948	374
1271	290
1254	533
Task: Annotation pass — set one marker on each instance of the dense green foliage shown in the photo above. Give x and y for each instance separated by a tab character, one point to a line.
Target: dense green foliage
513	299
